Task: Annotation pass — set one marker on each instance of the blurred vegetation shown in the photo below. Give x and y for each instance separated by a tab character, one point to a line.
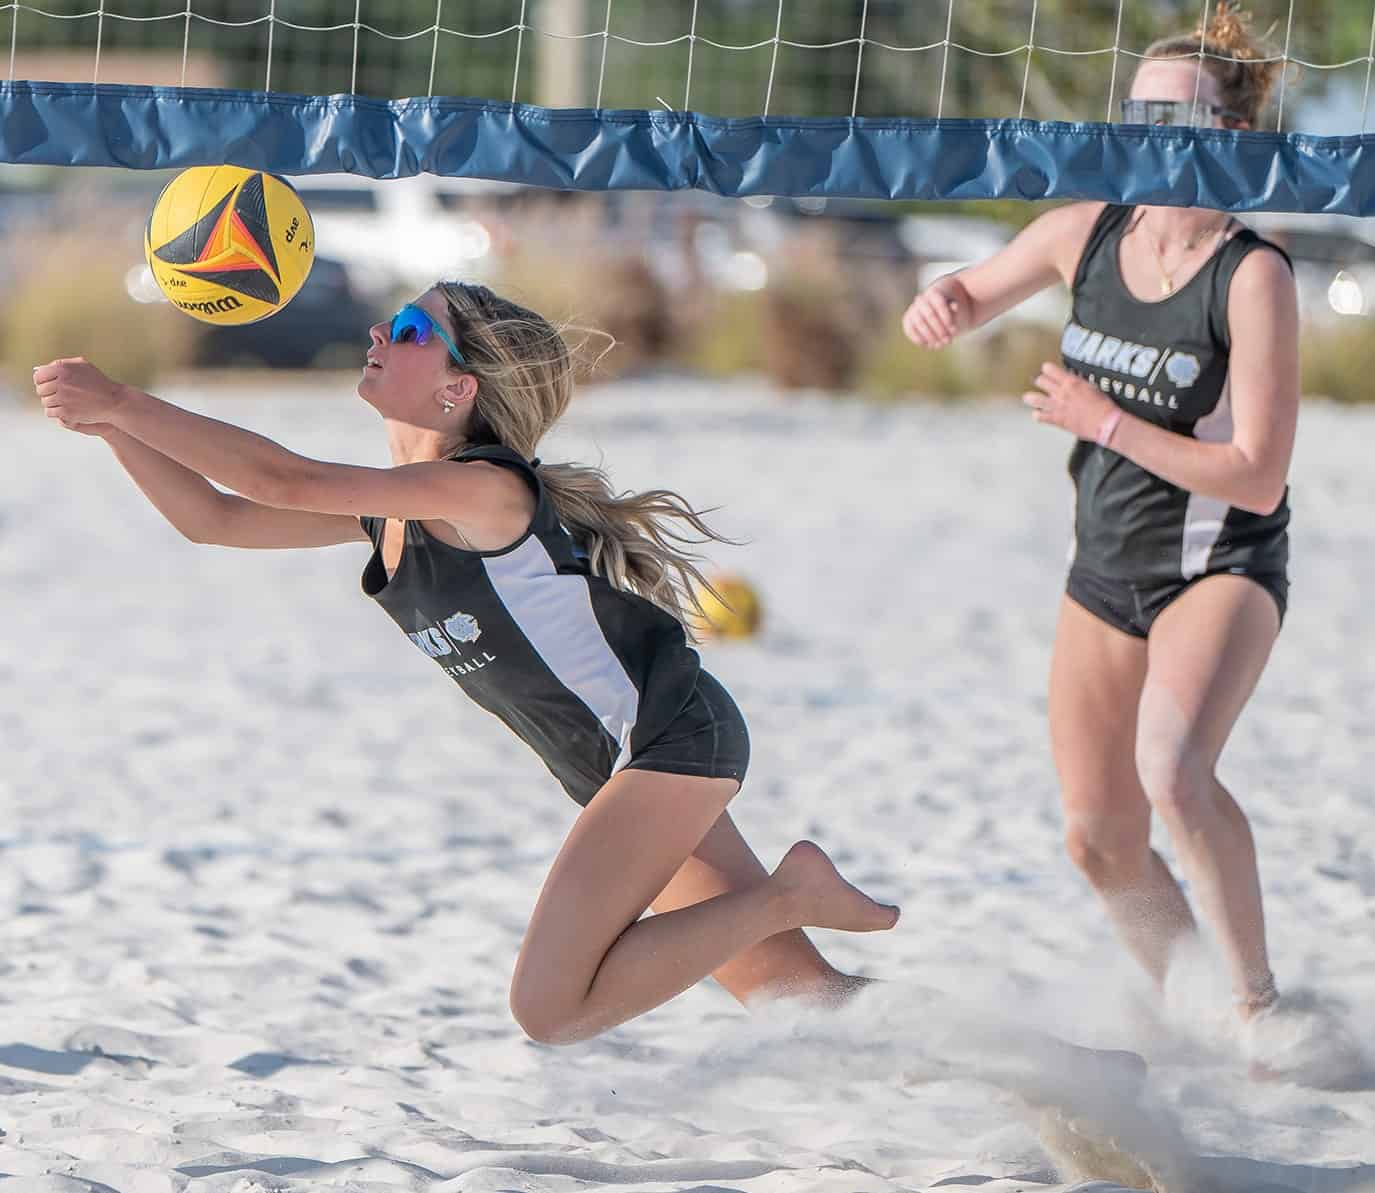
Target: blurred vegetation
802	331
66	297
1338	362
827	324
999	362
620	324
827	319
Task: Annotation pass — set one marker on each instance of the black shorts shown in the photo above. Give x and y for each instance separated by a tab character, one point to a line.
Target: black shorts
707	738
1133	608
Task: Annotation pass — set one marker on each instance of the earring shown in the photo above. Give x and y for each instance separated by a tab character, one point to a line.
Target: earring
447	405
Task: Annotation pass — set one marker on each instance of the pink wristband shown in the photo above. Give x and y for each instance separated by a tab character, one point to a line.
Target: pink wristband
1107	427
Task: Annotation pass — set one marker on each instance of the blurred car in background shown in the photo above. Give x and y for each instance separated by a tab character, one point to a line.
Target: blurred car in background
944	243
693	238
866	230
402	234
925	247
324	326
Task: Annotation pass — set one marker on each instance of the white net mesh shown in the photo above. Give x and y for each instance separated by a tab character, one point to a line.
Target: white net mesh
1047	59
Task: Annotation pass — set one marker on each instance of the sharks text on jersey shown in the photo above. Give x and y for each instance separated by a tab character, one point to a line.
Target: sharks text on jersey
1109	352
1129	359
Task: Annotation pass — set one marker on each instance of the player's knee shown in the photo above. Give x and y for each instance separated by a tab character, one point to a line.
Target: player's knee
535	1020
1177	781
543	1020
1107	853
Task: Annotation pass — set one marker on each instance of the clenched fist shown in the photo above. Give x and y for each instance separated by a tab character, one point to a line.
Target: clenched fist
938	314
76	393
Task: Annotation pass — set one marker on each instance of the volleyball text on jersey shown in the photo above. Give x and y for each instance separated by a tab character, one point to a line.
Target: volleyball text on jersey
441	641
1130	359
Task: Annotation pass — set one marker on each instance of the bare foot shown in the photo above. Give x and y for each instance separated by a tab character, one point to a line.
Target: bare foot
821	898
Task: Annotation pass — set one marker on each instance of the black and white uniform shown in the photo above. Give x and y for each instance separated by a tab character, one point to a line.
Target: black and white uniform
592	678
1140	541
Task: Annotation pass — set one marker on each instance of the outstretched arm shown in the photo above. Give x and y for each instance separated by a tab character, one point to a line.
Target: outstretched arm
204	514
74	391
1044	252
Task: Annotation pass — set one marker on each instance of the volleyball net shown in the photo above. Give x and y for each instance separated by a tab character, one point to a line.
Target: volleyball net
955	99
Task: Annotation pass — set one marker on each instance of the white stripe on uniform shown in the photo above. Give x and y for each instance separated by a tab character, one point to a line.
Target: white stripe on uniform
1204	516
555	614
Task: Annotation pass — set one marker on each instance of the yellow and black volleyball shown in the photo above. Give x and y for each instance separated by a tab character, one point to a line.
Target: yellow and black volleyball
229	245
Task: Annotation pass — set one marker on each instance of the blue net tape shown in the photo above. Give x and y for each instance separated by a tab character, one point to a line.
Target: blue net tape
148	128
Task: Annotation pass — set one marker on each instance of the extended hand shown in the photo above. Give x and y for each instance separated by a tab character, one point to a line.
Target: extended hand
75	392
1066	400
935	316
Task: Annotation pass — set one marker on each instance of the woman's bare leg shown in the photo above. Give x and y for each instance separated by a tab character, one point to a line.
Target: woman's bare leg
786	964
789	965
1096	678
588	962
1207	651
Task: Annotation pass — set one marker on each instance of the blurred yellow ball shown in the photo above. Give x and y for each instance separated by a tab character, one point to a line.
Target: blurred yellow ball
733	611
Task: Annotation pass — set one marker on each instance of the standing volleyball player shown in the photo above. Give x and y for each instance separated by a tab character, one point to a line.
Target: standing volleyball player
1180	383
556	605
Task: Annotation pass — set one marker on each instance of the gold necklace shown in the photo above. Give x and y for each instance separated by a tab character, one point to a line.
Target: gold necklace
1167	278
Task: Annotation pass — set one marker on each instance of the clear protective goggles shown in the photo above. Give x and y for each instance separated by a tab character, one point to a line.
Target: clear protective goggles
1171	111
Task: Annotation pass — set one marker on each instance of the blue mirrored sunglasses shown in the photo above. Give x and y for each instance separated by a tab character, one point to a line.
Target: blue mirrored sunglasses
413	324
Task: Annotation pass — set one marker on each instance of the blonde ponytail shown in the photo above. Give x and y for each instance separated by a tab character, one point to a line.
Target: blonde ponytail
524	370
638	541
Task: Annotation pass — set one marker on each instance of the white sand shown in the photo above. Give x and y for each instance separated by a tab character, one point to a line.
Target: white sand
263	871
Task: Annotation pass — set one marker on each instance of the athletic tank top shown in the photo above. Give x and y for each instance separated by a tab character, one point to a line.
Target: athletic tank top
584	673
1166	362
